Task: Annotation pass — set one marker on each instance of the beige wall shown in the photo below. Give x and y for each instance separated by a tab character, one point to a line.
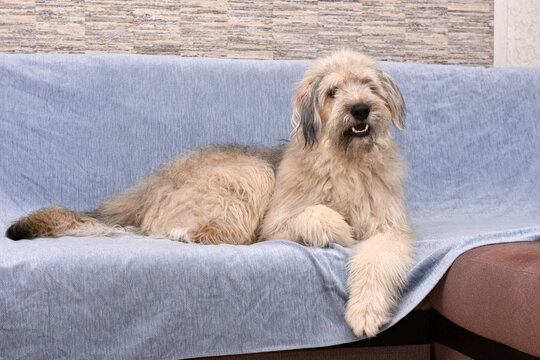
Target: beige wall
517	33
435	31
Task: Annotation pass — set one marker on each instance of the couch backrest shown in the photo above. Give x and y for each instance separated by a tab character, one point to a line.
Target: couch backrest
78	128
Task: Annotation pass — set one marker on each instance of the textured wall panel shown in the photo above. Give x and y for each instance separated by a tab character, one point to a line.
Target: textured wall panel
295	29
250	29
203	28
384	29
339	25
427	31
109	26
470	31
436	31
17	26
156	27
60	26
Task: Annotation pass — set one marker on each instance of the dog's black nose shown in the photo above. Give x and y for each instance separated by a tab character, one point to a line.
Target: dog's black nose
360	111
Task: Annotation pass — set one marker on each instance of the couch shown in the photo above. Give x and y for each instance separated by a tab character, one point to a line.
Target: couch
78	128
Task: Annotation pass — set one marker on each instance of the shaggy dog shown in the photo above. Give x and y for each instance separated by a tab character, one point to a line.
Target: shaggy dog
338	180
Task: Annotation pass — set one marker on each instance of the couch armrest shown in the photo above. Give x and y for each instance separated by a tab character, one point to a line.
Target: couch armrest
494	291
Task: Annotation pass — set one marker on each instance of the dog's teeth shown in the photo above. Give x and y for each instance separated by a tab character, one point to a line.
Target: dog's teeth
356	131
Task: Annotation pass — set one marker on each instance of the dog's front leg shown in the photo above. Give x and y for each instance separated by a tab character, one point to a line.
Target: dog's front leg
378	270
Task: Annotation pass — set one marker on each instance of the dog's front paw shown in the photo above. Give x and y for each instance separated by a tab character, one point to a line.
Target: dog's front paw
318	225
366	318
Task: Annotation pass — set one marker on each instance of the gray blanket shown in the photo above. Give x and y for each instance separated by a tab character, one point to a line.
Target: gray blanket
76	129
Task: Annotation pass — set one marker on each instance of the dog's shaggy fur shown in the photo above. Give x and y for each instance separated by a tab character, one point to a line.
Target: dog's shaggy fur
338	180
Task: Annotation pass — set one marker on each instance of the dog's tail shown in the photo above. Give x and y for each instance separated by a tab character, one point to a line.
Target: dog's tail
58	221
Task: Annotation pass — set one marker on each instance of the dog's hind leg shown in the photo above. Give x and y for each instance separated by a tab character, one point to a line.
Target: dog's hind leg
210	196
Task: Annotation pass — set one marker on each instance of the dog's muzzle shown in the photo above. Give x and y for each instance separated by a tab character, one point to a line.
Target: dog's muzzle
360	113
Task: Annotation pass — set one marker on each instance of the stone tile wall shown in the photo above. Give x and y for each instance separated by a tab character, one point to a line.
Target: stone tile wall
435	31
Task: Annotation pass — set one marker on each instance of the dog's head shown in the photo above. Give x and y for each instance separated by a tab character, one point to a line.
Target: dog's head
348	101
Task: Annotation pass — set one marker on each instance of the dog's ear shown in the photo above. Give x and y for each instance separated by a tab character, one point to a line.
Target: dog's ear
394	99
305	115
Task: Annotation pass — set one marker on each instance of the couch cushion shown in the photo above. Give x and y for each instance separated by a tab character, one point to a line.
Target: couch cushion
494	291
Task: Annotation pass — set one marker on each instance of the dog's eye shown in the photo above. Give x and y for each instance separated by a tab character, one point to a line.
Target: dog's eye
373	88
332	92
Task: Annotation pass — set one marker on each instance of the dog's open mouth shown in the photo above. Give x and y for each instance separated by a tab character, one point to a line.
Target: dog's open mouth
359	130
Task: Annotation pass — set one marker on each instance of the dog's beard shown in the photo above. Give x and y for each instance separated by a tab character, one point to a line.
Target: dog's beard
355	147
